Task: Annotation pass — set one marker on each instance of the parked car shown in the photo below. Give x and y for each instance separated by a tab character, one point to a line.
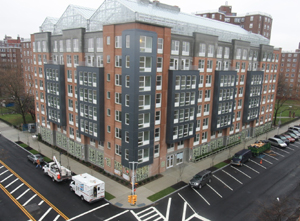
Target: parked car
292	135
241	157
295	128
295	132
200	179
283	138
34	157
277	142
291	139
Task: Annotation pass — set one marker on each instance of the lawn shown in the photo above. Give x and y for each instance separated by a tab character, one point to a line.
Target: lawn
161	194
220	165
16	119
108	196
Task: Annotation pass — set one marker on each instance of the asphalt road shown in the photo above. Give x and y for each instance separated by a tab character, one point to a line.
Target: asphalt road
235	193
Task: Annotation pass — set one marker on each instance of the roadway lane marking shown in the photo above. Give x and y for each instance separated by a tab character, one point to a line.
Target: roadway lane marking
34	190
251	168
29	200
232	177
277	153
201	197
223	183
56	218
119	214
283	150
258	164
266	161
266	154
187	202
168	209
241	172
199	217
214	190
41	202
133	213
153	209
16	188
11	183
3	172
17	203
22	194
82	214
45	214
6	178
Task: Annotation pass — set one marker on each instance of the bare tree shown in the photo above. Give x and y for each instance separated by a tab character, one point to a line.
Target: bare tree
13	87
284	93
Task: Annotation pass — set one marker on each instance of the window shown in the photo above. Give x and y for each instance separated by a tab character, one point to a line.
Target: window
210	52
118	98
158	100
118	133
144	83
127	100
100	61
201	65
159	64
118	115
202	50
157	134
226	52
75	45
143	155
118	41
156	150
160	45
143	138
144	102
185	48
127	39
146	44
157	117
158	82
127	64
118	149
127	81
219	52
145	64
209	65
90	45
175	47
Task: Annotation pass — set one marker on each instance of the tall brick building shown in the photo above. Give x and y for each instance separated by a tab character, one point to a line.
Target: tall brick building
255	22
153	85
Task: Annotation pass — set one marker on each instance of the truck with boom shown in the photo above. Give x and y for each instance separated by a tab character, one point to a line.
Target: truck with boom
56	171
88	187
259	147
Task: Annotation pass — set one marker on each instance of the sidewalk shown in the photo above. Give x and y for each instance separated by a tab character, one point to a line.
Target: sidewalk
170	177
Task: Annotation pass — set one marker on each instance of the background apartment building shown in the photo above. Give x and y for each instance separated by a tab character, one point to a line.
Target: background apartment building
255	22
149	90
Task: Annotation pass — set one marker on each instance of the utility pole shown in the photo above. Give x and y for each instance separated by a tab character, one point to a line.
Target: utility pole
132	199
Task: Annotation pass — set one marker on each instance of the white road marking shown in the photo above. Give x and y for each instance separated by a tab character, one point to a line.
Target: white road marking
266	154
41	202
1	167
29	200
241	172
197	216
201	197
17	188
223	183
23	194
11	183
56	218
214	190
45	214
294	145
283	150
184	211
3	172
278	153
250	168
6	178
119	214
232	177
290	148
187	202
258	164
82	214
133	213
266	161
152	210
168	209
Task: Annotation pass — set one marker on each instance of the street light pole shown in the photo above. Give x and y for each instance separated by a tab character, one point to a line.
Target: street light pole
133	181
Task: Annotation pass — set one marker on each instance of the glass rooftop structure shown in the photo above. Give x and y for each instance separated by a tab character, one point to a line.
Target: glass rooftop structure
156	13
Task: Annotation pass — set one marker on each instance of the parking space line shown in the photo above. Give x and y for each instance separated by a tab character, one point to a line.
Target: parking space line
241	172
82	214
11	183
294	145
56	218
201	197
1	167
6	178
3	172
232	177
45	214
184	211
266	161
223	183
22	194
41	202
290	148
283	150
17	188
29	200
266	154
251	168
214	190
258	164
119	214
278	153
168	209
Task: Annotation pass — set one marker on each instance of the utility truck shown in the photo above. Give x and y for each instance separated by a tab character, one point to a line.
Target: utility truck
56	171
88	187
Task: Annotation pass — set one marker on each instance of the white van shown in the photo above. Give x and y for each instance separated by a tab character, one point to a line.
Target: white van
88	187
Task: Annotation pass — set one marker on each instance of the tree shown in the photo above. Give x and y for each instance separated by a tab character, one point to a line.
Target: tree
13	88
284	93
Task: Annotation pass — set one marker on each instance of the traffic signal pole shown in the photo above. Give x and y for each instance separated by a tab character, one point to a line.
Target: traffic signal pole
133	197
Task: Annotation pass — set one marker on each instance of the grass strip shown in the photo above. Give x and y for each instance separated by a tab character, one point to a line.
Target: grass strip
108	196
161	194
46	159
33	151
220	165
23	145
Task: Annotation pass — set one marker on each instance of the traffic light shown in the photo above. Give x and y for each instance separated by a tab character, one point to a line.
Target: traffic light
130	199
134	198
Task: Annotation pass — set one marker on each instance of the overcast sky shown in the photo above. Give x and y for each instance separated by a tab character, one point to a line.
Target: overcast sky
23	18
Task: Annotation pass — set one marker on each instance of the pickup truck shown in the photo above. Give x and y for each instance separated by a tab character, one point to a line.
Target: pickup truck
56	171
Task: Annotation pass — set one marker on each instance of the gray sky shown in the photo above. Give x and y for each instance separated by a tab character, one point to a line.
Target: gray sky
23	18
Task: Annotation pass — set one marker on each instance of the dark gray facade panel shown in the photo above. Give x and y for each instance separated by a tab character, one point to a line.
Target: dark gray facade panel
133	71
100	100
61	96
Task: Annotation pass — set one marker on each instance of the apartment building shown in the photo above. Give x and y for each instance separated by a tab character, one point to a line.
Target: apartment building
149	90
28	69
255	22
